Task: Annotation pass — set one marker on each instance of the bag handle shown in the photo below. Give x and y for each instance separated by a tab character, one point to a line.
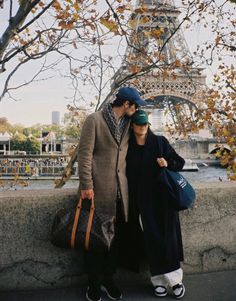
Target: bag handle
76	220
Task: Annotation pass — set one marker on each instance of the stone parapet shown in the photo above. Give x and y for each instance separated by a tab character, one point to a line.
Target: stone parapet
29	260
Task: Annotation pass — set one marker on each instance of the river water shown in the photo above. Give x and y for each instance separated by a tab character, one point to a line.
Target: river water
204	174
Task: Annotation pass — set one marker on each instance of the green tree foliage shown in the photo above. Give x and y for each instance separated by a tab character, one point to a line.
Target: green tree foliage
22	143
5	125
57	129
74	121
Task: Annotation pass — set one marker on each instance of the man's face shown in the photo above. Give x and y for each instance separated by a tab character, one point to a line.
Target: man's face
130	108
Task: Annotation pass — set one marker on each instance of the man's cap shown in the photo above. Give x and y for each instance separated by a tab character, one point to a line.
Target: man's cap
130	94
140	117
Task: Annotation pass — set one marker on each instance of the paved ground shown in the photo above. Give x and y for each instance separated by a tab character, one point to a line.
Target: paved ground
220	286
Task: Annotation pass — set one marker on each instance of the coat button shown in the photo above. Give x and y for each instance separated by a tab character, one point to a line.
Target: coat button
118	170
120	149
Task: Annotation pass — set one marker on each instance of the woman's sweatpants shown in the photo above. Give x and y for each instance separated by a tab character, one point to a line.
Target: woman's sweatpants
168	279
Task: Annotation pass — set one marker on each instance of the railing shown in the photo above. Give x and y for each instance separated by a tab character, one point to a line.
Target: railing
41	170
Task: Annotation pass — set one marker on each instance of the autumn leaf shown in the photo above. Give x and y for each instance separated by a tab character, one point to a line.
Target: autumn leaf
215	94
134	69
144	19
165	74
157	33
133	23
109	24
120	9
76	7
56	5
66	25
225	132
174	76
217	40
141	10
176	63
232	140
41	4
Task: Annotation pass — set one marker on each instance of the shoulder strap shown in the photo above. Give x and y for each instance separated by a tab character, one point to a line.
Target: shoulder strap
159	145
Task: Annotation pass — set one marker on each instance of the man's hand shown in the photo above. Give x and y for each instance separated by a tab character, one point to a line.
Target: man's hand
162	162
87	194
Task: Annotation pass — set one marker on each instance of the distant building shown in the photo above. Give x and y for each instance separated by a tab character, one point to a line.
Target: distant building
56	117
5	143
48	144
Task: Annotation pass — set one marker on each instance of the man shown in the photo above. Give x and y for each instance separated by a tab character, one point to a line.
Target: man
102	172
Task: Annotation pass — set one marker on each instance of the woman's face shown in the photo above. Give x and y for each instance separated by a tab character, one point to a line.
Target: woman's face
141	129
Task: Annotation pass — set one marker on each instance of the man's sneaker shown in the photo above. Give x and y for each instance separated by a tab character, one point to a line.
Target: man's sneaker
178	290
111	290
93	293
160	291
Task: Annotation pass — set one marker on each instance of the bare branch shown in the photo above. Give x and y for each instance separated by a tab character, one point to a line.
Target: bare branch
5	88
10	14
36	17
15	23
230	85
14	51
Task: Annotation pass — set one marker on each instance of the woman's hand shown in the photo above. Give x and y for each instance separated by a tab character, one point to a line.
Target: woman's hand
162	162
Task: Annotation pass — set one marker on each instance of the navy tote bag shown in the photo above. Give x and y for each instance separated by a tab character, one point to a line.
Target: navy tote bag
181	192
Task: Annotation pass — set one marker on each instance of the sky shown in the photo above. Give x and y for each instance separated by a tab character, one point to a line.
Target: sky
35	102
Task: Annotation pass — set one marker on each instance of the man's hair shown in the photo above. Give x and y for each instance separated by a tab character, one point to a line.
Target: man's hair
119	102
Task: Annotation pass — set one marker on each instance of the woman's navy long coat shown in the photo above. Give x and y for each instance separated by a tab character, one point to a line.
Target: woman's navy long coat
161	228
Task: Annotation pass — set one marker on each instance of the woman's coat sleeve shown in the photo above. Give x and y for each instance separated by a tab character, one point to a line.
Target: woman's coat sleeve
175	162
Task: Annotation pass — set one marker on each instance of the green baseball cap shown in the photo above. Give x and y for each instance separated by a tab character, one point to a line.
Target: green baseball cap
140	117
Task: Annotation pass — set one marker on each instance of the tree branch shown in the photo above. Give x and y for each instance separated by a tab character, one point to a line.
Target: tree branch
15	22
36	17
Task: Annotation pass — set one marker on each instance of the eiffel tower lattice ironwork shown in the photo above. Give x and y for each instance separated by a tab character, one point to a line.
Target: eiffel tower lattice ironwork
157	30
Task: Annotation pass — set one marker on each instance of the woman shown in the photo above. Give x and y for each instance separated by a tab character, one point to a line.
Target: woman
151	213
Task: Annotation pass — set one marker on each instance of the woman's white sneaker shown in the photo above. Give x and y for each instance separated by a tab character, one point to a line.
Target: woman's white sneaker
160	291
178	290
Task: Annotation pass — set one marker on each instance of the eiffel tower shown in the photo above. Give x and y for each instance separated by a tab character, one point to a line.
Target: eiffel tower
163	83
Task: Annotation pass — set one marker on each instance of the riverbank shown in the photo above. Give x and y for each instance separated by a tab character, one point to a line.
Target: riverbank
206	162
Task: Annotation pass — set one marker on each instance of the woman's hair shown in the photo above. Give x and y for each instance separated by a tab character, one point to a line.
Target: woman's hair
148	130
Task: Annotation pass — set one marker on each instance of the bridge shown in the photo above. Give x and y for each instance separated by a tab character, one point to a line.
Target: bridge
200	148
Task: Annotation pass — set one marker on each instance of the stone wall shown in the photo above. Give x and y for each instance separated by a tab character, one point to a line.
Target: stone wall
29	260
